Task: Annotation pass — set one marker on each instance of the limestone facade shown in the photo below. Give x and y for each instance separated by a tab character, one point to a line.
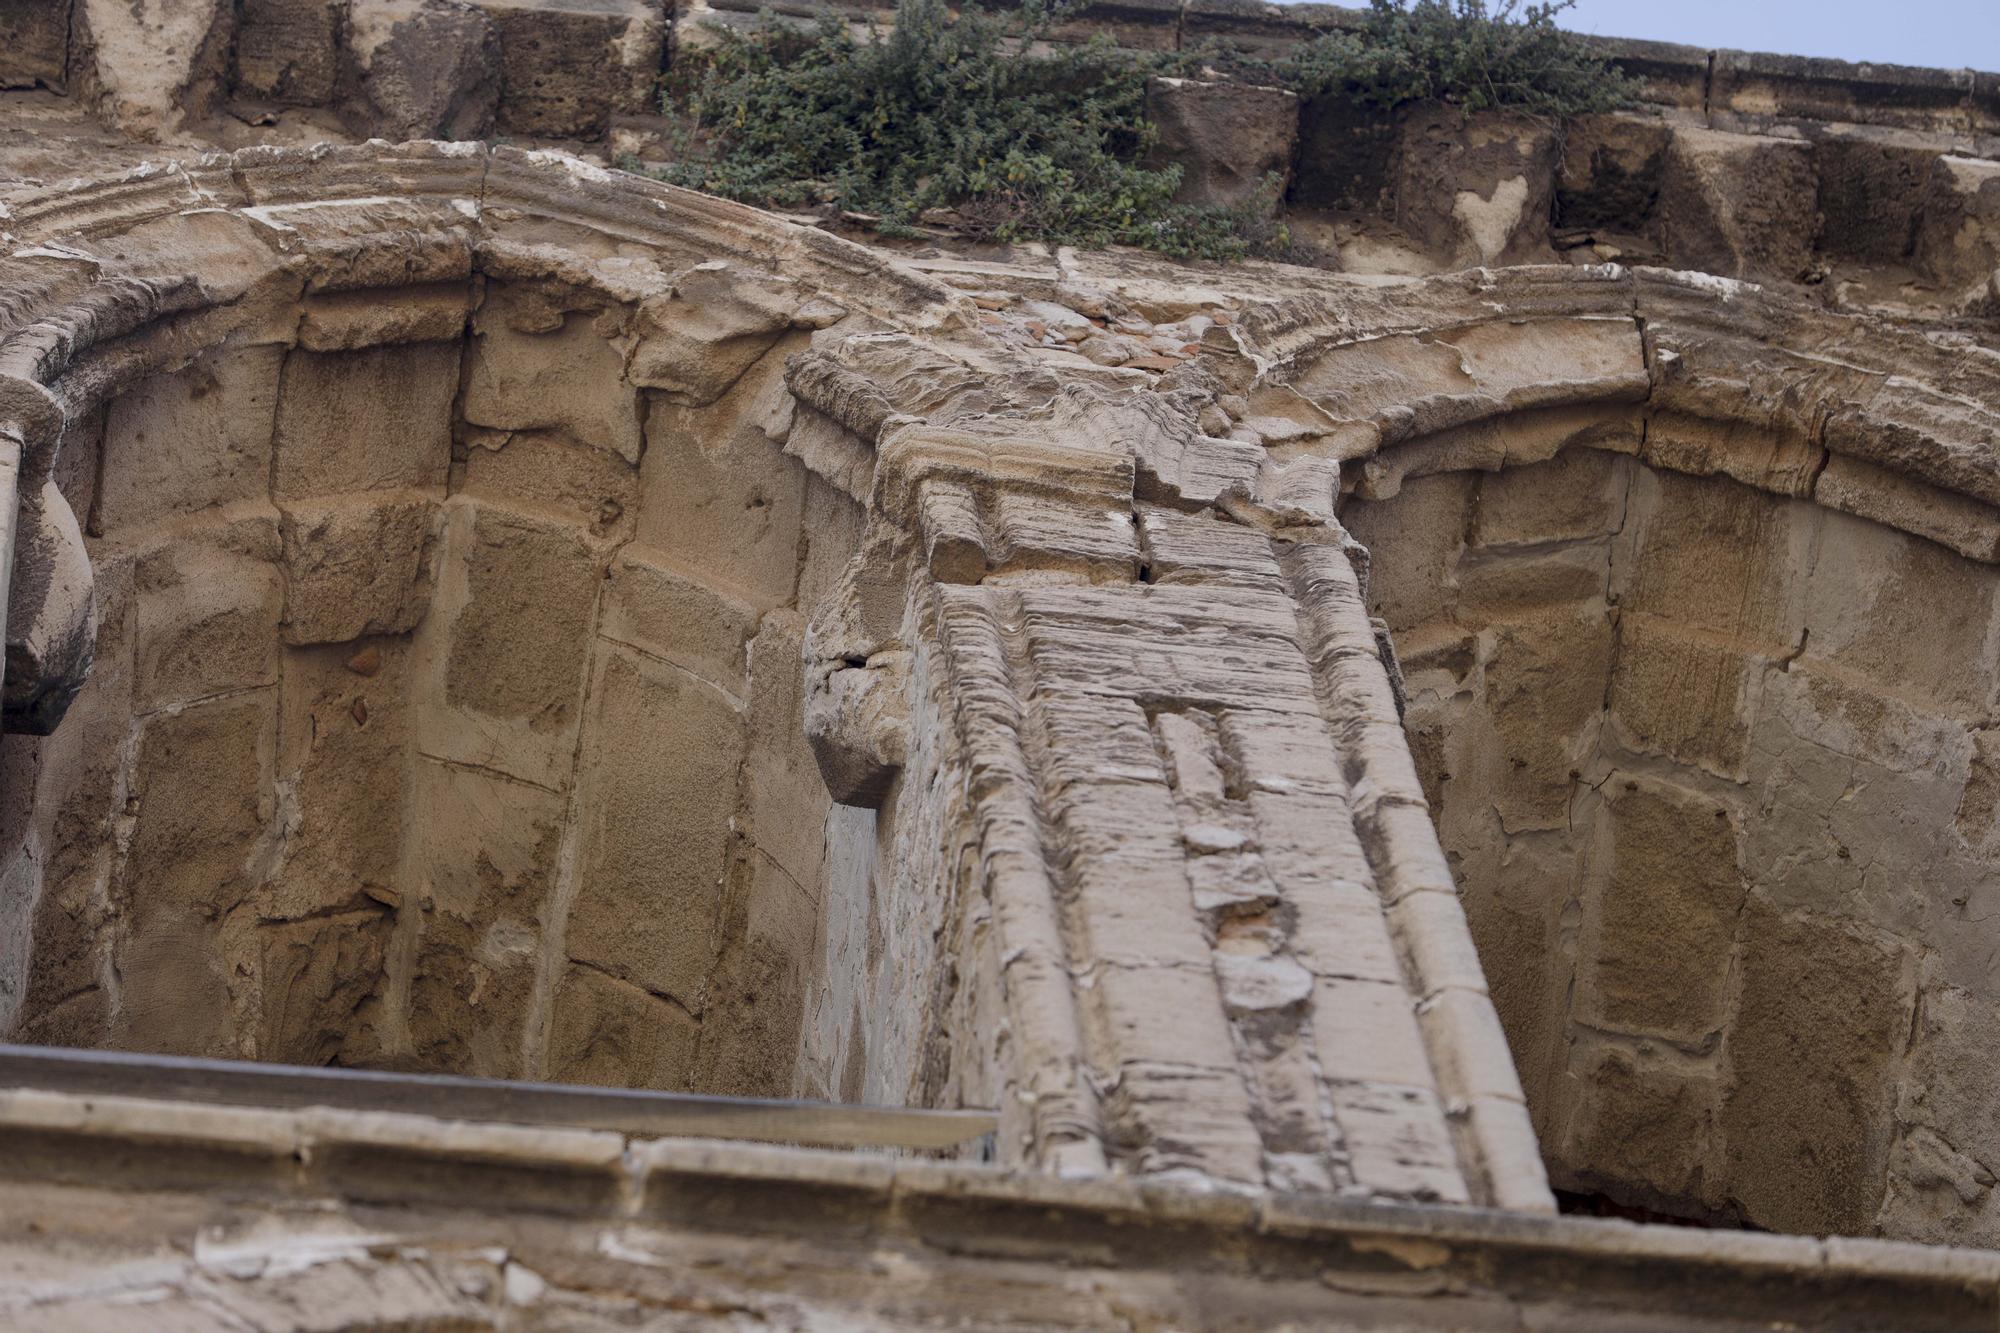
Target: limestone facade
1292	741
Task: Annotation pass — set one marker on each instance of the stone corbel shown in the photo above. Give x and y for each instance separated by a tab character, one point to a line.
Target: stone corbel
857	702
51	618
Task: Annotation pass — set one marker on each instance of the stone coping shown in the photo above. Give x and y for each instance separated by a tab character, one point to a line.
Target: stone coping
266	1157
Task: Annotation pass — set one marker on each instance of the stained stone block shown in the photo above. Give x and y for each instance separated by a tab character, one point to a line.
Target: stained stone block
1225	137
1738	204
1660	934
356	565
369	420
567	69
567	379
34	43
608	1033
1824	1010
287	51
485	856
666	750
184	442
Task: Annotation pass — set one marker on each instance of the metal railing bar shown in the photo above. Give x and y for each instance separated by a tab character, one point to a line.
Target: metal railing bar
632	1111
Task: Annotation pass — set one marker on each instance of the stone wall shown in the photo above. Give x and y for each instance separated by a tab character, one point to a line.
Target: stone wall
1708	752
445	708
1876	184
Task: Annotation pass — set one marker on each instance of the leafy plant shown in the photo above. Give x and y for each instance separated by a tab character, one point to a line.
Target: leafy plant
973	120
1462	52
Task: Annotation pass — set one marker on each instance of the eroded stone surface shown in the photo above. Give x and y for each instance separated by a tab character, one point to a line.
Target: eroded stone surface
535	559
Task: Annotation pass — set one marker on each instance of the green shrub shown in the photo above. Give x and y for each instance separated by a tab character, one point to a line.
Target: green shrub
1459	52
958	118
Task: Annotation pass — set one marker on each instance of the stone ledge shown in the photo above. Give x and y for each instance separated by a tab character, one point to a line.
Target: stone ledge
278	1160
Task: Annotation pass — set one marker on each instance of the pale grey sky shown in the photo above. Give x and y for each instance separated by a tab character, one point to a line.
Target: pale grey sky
1953	34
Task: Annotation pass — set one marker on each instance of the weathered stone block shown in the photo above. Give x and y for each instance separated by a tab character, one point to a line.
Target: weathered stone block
756	996
1958	237
1415	541
551	473
34	43
608	1033
425	69
191	860
1545	683
1824	1009
1478	190
1662	930
182	442
1227	139
507	637
651	606
343	742
1709	554
568	69
348	321
1642	1132
697	341
288	51
1735	204
1686	695
1903	613
311	978
1502	585
208	606
1578	494
784	797
486	860
569	380
1871	193
1611	169
367	420
722	500
1966	525
154	62
667	751
359	564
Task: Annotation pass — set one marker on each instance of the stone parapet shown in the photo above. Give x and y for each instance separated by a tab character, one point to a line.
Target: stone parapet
248	1212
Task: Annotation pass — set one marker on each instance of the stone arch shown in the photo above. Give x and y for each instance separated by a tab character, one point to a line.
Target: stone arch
410	574
1710	769
1119	828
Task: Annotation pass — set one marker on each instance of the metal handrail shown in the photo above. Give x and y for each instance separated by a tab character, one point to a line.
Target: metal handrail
633	1111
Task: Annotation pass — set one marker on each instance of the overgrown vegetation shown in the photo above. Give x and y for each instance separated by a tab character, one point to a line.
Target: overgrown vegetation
1460	52
968	120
